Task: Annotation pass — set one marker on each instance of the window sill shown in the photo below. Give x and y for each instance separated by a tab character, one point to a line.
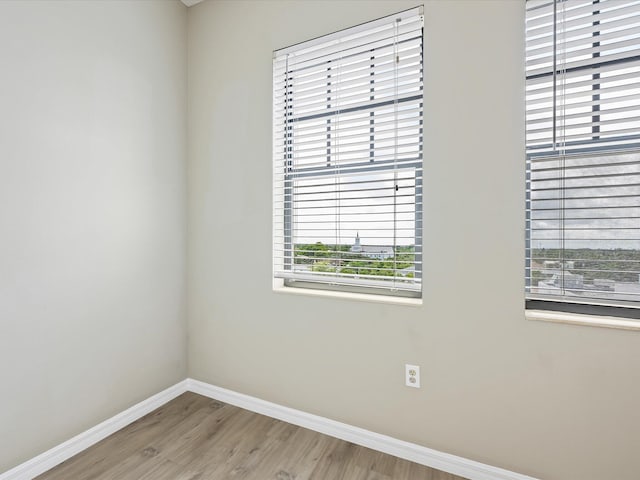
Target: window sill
581	319
362	297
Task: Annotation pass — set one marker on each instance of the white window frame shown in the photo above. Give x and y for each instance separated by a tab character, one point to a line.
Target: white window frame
286	172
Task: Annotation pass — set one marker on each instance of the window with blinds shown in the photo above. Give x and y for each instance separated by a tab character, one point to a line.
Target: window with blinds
347	141
583	156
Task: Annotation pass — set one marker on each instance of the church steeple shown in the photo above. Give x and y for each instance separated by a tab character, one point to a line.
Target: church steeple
356	245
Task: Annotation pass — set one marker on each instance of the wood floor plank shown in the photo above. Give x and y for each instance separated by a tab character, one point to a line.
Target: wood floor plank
355	472
297	457
378	462
334	460
196	438
230	452
248	456
167	470
107	453
154	446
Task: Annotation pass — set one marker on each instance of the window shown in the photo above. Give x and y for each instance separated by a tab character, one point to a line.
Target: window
583	156
347	141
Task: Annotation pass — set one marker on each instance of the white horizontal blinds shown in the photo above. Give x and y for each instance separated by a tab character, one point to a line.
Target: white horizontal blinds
583	150
348	158
595	48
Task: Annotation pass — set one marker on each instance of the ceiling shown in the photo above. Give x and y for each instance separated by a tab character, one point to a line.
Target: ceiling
190	3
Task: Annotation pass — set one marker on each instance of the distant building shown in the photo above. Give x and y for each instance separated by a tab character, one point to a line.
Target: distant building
604	284
555	264
568	280
562	280
379	252
357	248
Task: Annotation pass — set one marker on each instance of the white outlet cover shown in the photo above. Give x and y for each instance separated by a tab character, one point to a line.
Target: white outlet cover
412	376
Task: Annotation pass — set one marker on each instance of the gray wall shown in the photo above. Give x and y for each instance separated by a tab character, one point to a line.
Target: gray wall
549	400
92	214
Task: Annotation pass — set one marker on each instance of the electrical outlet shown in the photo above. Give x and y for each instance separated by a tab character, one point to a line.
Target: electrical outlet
412	376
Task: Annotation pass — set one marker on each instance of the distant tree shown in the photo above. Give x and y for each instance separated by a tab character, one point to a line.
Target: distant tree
305	252
323	266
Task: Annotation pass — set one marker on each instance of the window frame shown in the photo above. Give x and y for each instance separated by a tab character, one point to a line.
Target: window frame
291	172
596	307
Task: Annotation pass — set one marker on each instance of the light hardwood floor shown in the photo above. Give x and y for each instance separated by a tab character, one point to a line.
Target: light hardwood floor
196	438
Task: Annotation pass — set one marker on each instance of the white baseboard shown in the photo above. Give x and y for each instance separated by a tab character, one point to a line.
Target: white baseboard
49	459
409	451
